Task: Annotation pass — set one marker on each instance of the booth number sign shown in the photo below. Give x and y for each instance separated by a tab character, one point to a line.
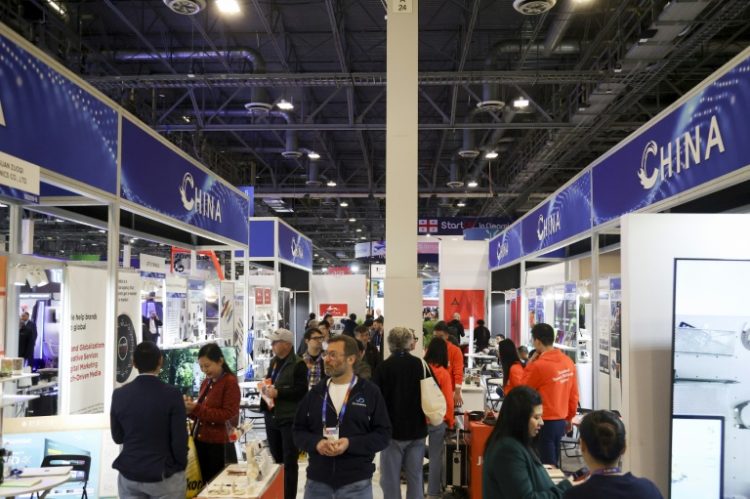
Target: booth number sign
402	6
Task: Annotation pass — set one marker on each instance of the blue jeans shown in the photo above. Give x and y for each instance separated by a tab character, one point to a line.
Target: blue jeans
356	490
173	487
406	454
548	441
435	450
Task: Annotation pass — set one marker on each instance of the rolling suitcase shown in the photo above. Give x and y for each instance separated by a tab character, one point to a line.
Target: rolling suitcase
456	461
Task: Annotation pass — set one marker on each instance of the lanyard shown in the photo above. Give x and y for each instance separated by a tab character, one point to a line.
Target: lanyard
607	471
343	406
277	370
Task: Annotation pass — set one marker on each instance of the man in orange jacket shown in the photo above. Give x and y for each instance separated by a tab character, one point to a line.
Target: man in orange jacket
553	375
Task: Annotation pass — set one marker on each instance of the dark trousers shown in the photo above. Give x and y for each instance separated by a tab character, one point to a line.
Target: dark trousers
213	458
284	451
548	441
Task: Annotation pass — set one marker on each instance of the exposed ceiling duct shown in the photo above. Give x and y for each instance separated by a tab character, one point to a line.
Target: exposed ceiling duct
312	174
291	147
468	149
455	181
533	7
185	7
563	17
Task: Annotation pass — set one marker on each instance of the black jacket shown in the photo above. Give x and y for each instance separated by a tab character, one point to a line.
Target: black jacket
398	378
365	424
148	418
27	341
372	356
291	383
456	324
481	338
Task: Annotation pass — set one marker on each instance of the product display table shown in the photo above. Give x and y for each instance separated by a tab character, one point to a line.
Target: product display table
43	487
232	484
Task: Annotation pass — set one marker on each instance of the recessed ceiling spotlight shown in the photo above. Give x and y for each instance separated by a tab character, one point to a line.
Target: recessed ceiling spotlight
285	105
331	183
352	219
461	204
313	155
359	230
343	204
521	103
229	7
472	184
316	255
491	155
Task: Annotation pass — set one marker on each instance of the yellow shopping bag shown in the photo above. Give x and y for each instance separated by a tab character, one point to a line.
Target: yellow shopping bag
193	470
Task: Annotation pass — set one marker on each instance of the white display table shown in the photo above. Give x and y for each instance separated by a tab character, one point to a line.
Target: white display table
44	486
231	483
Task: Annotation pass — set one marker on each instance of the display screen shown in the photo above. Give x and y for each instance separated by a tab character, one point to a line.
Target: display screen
710	379
181	368
697	457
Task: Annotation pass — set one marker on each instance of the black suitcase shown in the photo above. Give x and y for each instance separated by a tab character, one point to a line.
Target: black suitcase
456	461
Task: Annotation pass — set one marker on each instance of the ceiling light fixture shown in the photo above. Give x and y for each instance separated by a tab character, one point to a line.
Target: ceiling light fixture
313	155
359	230
285	105
229	7
343	204
491	155
521	103
352	219
472	184
331	183
461	204
363	238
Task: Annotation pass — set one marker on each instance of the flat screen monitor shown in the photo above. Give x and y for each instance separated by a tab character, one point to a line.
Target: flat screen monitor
697	457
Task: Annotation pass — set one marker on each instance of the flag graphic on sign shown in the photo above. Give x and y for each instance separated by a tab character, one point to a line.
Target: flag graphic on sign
427	226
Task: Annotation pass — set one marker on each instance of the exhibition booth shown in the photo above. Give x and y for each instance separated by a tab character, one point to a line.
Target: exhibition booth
97	169
667	333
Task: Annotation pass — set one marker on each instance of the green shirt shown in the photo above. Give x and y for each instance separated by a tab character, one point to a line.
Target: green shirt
512	472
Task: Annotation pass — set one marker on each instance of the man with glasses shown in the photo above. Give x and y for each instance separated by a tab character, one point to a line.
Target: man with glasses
313	356
341	424
286	385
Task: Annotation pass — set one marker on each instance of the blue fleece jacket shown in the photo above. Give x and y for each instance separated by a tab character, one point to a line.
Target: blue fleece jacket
365	424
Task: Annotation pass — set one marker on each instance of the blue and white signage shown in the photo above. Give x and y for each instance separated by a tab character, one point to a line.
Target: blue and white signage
701	140
564	215
262	239
294	247
48	121
507	247
156	177
455	226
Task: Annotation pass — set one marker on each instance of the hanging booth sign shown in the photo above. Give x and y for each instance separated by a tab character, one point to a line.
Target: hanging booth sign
455	226
506	247
699	141
294	247
262	238
335	309
178	189
564	215
48	121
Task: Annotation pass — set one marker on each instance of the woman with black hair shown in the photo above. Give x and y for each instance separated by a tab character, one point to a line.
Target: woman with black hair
511	364
215	412
512	468
602	445
437	358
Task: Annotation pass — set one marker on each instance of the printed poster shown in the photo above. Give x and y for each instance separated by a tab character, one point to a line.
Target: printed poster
129	325
466	302
175	311
86	329
226	311
240	333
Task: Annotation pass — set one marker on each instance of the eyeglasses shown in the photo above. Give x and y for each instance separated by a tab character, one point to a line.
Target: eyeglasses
317	338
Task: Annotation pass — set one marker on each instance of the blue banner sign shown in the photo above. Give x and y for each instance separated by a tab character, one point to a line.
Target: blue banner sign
564	215
262	239
455	226
26	197
701	140
158	178
506	247
294	247
51	122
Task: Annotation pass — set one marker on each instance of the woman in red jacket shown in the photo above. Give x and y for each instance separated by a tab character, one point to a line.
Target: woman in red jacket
216	411
511	363
437	358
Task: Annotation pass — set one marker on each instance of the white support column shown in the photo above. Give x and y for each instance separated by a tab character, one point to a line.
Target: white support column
126	248
594	322
403	293
113	254
12	314
27	236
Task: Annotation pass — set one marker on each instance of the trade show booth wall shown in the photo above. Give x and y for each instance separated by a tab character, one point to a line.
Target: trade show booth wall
643	337
67	148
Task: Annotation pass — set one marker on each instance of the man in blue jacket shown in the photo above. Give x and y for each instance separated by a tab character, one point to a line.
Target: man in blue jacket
147	418
341	424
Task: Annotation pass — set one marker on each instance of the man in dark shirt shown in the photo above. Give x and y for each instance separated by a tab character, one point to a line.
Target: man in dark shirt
399	380
457	325
349	325
147	418
372	356
26	338
481	336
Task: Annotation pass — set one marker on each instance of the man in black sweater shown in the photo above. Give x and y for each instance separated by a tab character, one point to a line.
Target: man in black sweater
342	444
398	378
147	418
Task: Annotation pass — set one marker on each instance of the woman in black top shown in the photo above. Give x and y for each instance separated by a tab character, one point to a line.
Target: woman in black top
602	445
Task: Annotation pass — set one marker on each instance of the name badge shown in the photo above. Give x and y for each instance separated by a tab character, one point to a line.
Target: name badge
331	433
